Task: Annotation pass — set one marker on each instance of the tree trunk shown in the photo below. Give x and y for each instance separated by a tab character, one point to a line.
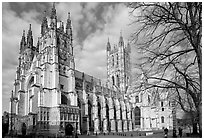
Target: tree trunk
195	130
200	120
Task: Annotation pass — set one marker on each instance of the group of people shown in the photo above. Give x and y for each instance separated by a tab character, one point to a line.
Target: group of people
180	130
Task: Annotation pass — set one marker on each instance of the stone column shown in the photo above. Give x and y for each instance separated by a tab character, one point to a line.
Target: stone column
125	125
130	125
119	125
105	126
113	125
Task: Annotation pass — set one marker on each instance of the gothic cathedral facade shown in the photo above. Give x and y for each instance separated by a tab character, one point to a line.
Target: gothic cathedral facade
50	94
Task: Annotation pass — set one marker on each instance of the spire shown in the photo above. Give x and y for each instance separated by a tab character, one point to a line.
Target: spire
108	45
29	31
69	27
69	22
23	42
53	12
29	38
44	25
53	18
121	42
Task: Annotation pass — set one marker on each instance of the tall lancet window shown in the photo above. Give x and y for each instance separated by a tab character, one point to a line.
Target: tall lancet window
113	80
112	60
118	81
117	59
137	99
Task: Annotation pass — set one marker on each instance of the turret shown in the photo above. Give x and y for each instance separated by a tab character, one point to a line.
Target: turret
121	42
53	18
29	38
23	42
108	46
37	46
69	26
44	25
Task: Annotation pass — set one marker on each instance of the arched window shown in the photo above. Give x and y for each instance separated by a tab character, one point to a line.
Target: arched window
162	104
117	59
162	119
64	99
137	99
114	109
137	116
107	116
118	81
79	103
112	60
113	80
99	116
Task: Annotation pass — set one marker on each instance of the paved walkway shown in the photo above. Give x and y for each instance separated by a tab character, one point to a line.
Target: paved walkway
134	135
157	134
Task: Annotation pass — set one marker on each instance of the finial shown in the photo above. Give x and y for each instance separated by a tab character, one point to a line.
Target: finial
53	4
30	27
108	39
68	15
23	32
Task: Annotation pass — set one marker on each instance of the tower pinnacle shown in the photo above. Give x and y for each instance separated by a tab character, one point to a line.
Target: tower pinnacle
108	45
30	38
68	25
44	25
121	42
53	12
23	42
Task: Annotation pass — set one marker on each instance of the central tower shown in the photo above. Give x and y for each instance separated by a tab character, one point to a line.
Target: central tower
56	49
118	65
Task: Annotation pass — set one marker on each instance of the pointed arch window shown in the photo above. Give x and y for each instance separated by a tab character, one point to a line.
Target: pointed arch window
162	104
112	60
137	99
162	119
118	81
117	59
137	113
113	80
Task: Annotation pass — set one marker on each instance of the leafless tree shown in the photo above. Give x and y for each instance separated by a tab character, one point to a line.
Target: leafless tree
168	35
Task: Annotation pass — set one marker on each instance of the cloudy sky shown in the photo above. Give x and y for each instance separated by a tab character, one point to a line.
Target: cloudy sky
92	24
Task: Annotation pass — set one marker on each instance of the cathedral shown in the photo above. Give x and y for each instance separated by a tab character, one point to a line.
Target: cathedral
50	94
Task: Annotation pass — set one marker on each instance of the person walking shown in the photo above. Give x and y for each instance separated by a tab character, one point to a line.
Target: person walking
165	132
180	131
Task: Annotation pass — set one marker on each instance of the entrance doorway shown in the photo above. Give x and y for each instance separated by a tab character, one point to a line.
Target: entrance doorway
69	130
23	129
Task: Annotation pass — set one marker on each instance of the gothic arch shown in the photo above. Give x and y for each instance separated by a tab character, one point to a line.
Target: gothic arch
113	80
107	115
115	115
23	129
121	113
118	81
91	124
99	116
137	113
80	105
